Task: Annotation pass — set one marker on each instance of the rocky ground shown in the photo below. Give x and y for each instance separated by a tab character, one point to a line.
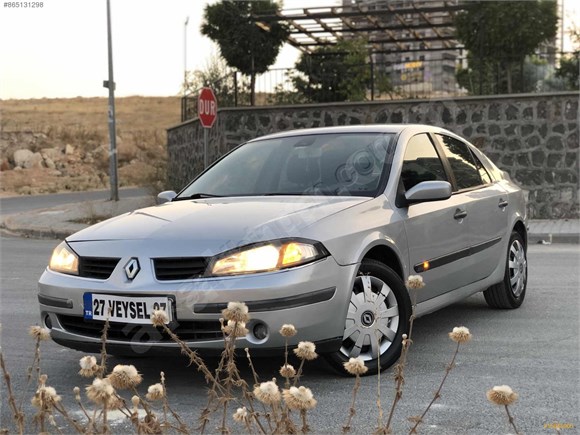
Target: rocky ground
56	145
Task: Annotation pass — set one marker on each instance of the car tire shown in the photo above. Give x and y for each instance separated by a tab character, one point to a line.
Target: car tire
511	291
379	308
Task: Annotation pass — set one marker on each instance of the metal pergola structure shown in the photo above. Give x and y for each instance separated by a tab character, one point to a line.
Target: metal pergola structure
390	26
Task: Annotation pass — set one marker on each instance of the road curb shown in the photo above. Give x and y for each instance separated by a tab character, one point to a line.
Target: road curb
549	238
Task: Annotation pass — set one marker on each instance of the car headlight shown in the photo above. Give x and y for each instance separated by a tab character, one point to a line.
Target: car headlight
64	260
267	256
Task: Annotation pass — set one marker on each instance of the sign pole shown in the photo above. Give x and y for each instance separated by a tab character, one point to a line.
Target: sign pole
205	148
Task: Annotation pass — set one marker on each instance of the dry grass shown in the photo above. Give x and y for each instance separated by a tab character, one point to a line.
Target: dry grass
87	117
83	124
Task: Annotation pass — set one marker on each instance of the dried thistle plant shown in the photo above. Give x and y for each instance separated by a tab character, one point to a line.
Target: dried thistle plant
45	399
226	383
102	370
89	366
17	414
38	334
306	351
155	392
355	367
236	315
249	396
299	399
236	312
459	335
287	371
504	396
124	377
268	393
159	319
235	329
241	416
413	283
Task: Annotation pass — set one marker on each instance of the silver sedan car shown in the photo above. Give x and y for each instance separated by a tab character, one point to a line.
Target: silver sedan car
317	228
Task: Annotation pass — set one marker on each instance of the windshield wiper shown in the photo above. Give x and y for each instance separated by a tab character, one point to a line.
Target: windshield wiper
282	194
197	196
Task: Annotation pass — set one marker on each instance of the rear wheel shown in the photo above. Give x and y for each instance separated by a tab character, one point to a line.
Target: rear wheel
377	317
511	291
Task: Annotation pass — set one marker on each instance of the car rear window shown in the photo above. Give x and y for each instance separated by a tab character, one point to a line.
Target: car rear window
462	162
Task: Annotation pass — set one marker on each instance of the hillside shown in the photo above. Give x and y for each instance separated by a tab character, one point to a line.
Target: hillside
55	145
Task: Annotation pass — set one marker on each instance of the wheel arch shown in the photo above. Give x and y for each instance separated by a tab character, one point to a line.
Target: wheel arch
388	256
521	229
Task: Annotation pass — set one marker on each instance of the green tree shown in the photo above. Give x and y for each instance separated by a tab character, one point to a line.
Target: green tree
568	70
334	73
243	44
500	34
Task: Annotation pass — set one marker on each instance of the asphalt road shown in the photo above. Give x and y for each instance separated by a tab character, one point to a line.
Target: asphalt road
18	204
534	349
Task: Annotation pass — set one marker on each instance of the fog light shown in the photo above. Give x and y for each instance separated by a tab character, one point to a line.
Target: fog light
260	331
47	322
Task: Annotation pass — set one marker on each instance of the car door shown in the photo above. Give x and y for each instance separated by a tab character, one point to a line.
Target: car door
436	231
487	202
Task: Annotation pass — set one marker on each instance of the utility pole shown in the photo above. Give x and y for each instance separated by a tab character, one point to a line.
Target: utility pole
110	84
185	56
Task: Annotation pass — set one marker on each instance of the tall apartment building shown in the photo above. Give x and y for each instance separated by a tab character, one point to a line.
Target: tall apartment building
412	42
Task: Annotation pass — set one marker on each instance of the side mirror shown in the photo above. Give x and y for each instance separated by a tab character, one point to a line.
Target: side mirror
166	196
429	191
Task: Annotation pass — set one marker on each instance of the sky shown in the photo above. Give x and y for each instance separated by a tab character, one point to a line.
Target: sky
59	50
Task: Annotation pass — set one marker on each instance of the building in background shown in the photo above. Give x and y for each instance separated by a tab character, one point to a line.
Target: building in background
412	43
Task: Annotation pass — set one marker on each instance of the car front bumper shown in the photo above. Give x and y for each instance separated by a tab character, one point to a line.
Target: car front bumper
314	298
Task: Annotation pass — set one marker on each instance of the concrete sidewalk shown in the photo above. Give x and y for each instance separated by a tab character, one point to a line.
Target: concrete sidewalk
60	222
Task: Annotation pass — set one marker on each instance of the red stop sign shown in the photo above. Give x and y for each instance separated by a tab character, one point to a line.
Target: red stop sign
207	107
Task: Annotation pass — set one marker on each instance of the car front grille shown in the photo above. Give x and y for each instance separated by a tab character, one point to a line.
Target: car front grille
171	269
187	331
97	267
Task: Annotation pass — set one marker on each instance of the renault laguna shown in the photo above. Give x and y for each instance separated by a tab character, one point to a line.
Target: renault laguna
319	228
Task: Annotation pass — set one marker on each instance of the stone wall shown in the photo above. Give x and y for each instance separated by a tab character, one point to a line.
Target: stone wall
534	137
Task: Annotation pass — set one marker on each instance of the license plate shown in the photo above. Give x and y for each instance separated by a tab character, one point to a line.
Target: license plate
124	309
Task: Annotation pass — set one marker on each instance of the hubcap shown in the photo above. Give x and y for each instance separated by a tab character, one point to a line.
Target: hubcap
372	319
518	268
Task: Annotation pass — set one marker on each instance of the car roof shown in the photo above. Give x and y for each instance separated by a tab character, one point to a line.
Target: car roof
374	128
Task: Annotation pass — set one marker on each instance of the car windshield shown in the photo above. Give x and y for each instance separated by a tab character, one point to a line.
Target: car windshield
343	164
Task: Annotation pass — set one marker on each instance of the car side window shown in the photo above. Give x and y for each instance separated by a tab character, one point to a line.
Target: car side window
421	162
462	162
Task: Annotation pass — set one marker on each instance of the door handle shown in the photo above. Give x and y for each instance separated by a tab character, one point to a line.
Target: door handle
459	214
502	203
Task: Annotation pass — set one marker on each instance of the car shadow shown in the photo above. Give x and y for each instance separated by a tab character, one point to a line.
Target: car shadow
177	368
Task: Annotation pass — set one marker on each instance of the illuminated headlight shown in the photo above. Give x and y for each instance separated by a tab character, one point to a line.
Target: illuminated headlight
269	256
64	260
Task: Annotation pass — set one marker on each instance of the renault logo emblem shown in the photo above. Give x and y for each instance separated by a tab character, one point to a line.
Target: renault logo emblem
132	268
367	318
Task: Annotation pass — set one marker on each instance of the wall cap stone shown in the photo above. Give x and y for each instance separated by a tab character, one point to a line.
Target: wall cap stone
473	98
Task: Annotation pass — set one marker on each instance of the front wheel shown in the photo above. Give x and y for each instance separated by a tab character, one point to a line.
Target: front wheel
511	291
377	317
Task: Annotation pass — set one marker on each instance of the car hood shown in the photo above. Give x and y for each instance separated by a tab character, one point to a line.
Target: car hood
216	224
